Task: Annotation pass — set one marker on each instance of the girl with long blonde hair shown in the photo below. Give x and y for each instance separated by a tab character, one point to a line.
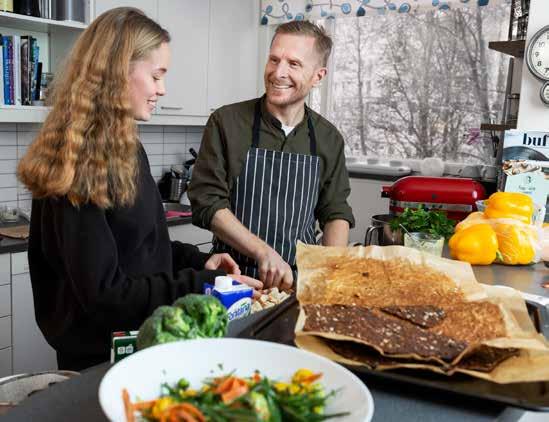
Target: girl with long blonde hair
100	256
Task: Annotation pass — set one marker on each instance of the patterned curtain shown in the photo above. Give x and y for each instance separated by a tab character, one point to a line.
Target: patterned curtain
280	11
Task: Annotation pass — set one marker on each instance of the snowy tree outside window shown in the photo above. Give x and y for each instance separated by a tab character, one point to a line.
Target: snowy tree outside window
416	86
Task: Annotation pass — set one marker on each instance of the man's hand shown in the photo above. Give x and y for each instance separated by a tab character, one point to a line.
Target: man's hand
249	281
222	261
273	270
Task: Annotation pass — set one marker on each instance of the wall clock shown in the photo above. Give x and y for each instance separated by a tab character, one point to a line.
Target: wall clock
537	59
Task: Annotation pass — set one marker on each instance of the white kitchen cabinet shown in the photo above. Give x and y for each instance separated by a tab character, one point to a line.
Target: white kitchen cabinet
5	300
31	352
5	271
233	52
366	201
5	362
150	7
187	21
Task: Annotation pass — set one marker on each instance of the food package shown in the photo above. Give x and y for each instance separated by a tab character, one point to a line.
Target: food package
518	243
396	307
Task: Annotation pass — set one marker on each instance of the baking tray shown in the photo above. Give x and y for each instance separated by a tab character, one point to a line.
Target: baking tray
279	327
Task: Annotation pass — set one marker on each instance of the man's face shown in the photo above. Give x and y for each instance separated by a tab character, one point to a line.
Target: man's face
293	68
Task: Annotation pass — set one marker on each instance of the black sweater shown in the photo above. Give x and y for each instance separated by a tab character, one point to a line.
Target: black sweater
95	271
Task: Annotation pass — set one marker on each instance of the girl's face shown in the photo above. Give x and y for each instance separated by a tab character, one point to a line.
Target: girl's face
146	81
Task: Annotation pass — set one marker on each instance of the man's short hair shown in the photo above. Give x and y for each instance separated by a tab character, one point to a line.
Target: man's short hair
323	43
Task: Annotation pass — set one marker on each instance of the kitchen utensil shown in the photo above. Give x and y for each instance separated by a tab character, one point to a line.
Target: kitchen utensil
455	196
144	372
381	228
69	10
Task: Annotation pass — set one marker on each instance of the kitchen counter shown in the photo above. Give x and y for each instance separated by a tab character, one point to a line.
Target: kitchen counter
8	245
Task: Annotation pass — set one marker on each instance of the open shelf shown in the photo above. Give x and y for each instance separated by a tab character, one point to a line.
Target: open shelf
513	48
30	23
23	114
497	126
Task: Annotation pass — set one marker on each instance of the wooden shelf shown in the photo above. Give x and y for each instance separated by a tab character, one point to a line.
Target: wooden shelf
30	23
513	48
496	127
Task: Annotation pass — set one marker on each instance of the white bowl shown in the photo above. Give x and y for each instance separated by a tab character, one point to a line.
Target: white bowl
195	360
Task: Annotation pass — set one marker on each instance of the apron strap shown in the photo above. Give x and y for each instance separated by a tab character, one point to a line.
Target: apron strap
257	123
312	136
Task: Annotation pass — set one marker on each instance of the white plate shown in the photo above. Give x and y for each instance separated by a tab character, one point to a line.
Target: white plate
143	372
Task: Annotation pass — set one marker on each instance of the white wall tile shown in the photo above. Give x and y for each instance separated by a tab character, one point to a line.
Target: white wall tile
23	127
151	138
26	138
153	148
8	138
8	153
198	129
8	127
150	128
8	194
170	159
155	160
8	181
175	149
9	203
8	166
175	129
175	138
194	137
156	171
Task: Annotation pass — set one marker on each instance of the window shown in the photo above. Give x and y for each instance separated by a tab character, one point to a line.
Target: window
414	86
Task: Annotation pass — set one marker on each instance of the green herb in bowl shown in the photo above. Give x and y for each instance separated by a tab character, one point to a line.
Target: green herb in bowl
424	221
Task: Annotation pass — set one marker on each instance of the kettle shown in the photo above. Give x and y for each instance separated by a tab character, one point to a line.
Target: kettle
174	183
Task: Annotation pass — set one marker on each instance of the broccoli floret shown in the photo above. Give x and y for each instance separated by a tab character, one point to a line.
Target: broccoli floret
166	324
207	312
192	316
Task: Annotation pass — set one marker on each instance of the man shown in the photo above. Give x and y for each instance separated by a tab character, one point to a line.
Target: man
268	168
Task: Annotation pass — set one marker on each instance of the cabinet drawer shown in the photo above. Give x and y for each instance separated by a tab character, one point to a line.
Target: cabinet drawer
5	362
5	269
5	332
5	300
19	263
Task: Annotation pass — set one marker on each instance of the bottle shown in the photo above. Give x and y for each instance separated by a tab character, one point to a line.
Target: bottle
236	297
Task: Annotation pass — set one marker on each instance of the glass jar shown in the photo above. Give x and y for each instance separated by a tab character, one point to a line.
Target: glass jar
424	242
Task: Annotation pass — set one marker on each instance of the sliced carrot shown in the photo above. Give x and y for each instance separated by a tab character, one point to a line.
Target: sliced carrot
195	411
238	388
311	378
256	377
128	407
143	405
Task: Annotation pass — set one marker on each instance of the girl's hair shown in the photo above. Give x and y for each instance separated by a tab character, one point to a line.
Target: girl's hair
87	148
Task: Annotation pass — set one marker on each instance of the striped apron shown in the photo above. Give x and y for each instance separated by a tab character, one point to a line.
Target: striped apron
274	197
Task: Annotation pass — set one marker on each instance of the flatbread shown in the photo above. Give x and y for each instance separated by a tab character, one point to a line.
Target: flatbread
377	283
425	316
389	335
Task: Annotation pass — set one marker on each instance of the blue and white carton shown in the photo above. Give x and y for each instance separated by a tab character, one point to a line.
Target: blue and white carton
236	297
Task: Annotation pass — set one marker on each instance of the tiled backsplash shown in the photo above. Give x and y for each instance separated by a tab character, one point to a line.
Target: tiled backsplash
165	145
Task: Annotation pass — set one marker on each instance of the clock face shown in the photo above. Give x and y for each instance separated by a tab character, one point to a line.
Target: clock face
537	55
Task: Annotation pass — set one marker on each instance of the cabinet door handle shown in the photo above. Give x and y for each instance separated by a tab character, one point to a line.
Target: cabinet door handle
171	108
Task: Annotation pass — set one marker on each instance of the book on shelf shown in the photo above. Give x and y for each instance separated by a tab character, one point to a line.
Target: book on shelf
20	70
525	164
1	71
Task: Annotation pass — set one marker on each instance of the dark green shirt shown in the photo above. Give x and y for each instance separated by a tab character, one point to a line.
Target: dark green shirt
226	141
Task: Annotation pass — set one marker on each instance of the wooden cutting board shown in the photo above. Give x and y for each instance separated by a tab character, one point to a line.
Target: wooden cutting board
15	232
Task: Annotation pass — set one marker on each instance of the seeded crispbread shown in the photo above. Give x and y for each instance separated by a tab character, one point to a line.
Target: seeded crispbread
425	316
389	335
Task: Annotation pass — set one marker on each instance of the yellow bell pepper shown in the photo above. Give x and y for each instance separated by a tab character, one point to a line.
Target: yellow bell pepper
473	218
477	245
515	243
515	205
